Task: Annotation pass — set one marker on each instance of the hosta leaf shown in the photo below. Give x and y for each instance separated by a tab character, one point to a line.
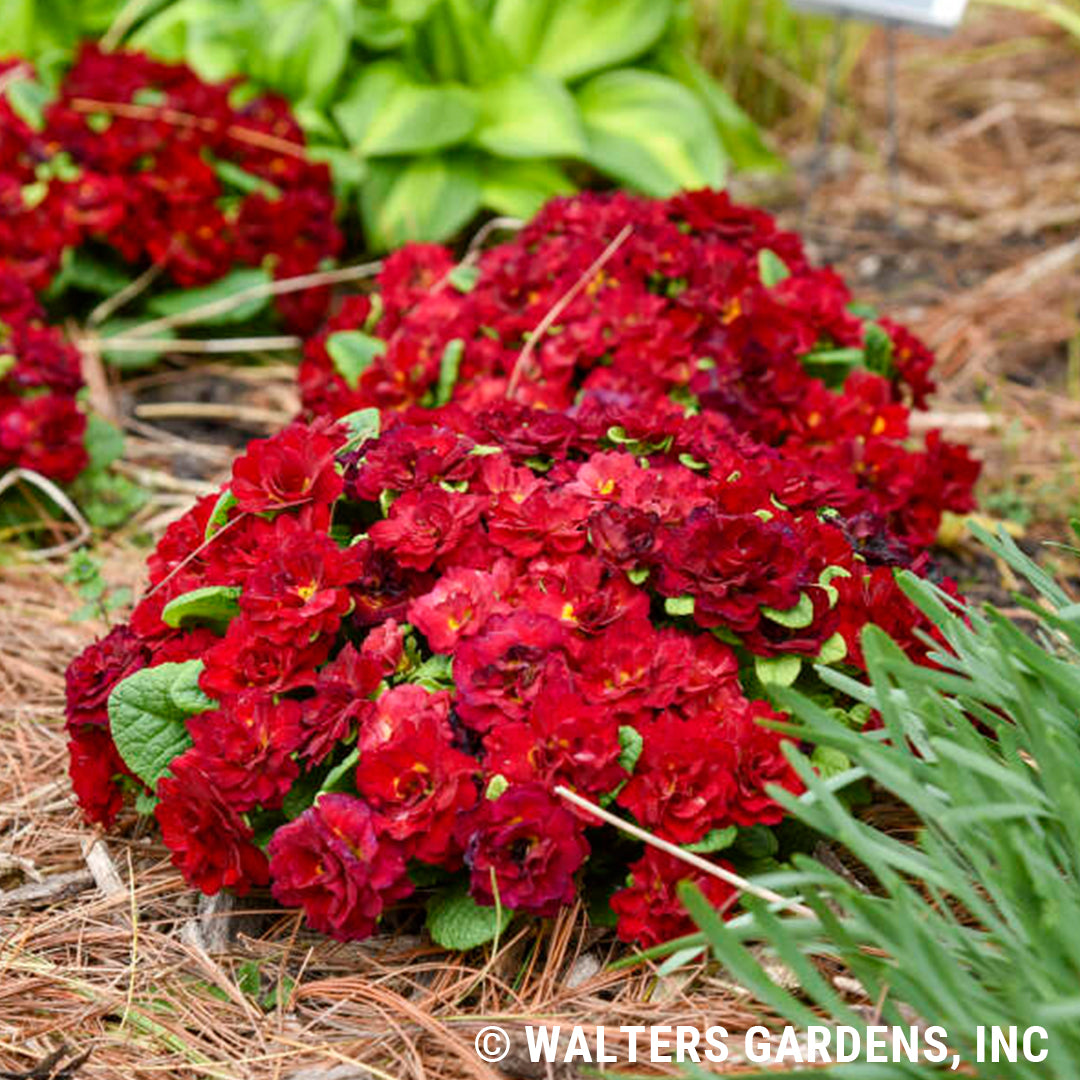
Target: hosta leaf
529	115
183	300
215	605
739	134
584	36
146	722
386	113
650	132
519	188
353	352
456	921
427	199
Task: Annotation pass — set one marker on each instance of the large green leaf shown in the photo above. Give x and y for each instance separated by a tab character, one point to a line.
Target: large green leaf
584	36
305	47
214	605
741	137
147	721
650	132
529	115
353	352
429	199
456	921
520	24
519	188
386	112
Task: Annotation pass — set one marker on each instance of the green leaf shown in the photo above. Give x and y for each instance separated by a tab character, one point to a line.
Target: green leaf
220	514
639	575
146	803
353	352
362	425
449	366
829	761
738	133
215	605
146	723
303	48
186	693
435	673
456	921
180	301
520	188
245	182
386	113
28	99
131	359
529	115
632	744
79	269
464	277
426	199
833	649
679	605
878	350
716	840
771	268
778	670
496	786
825	578
584	36
7	363
104	441
794	618
650	132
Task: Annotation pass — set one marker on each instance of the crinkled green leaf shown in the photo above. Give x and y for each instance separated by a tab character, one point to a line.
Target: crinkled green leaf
213	605
187	694
362	425
456	921
435	673
147	723
771	268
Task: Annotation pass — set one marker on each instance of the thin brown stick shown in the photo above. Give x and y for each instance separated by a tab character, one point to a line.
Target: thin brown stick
561	305
187	120
112	304
739	882
200	345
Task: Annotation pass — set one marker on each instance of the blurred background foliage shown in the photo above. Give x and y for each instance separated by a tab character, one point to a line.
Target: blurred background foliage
433	111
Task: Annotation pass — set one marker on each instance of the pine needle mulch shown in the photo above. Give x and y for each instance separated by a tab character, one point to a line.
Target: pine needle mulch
105	951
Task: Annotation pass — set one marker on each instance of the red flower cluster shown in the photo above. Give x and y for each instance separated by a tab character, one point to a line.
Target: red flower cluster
704	307
148	161
41	427
434	628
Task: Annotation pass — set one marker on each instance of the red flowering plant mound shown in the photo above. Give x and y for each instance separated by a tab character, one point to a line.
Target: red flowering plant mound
694	303
374	664
130	165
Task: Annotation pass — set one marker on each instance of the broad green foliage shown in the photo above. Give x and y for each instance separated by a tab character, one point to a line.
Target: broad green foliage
429	111
147	713
456	921
975	923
